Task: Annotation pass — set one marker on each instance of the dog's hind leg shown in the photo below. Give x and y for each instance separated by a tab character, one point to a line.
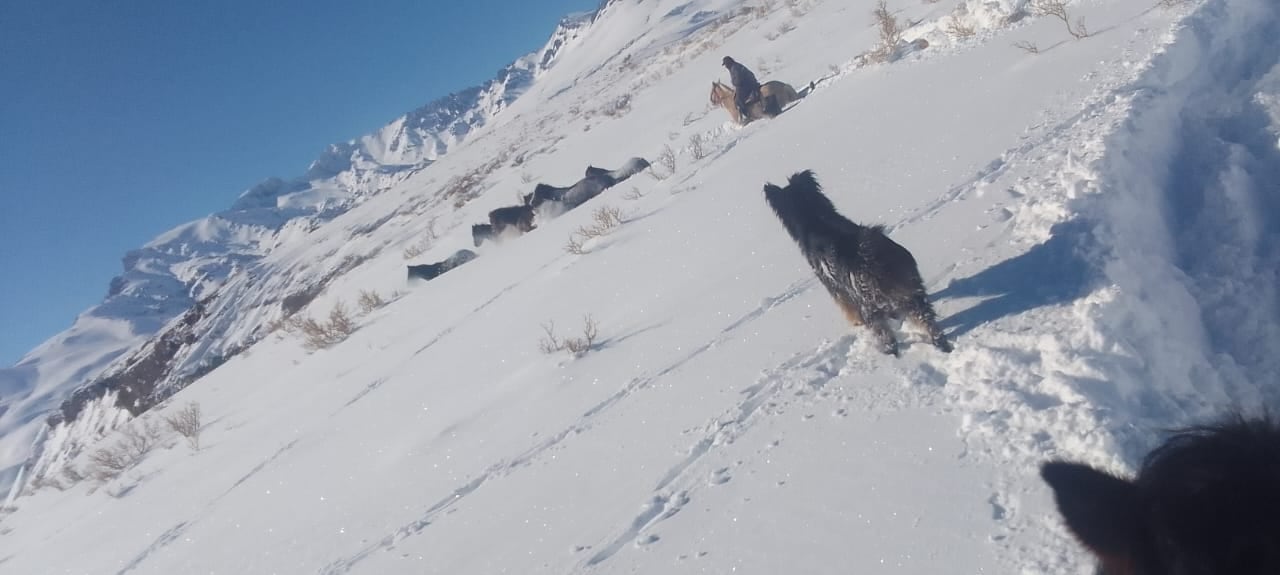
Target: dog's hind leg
921	312
851	311
879	324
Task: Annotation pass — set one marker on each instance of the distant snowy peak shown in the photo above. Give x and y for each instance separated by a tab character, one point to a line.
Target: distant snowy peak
425	134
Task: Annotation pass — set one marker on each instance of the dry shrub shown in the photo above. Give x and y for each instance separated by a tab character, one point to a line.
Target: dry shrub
551	343
108	462
604	220
696	148
72	474
370	301
1027	46
319	335
574	245
667	159
617	107
890	32
187	423
133	446
958	30
1058	9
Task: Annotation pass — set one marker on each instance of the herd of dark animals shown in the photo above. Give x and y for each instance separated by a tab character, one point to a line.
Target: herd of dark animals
1206	502
520	218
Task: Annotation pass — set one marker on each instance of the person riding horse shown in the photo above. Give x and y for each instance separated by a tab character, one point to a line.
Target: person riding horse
745	86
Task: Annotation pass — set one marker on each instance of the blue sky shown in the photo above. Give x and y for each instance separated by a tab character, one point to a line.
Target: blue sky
120	120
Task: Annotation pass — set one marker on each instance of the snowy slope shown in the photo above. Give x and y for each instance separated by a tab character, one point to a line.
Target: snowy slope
1095	222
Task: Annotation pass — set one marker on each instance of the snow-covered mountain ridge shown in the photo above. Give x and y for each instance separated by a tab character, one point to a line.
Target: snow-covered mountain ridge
183	280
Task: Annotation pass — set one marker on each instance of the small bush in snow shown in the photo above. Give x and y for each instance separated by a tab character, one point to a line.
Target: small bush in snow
574	245
319	335
782	29
617	107
1027	46
551	343
604	220
958	30
186	422
1058	9
107	462
370	301
140	440
134	444
44	481
667	159
72	474
340	322
890	32
696	148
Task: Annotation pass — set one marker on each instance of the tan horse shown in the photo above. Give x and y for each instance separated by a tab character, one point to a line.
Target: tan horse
780	93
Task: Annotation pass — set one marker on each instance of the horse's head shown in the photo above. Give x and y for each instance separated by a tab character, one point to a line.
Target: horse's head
480	233
720	94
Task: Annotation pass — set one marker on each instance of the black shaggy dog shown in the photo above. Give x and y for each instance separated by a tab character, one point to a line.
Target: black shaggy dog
871	277
431	271
1206	502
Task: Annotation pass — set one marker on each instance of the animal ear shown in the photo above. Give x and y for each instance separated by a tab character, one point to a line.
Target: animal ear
804	180
1099	508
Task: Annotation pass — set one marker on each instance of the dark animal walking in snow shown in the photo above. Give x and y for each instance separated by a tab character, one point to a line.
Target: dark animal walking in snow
482	232
519	218
430	271
745	86
631	168
871	277
575	195
1206	502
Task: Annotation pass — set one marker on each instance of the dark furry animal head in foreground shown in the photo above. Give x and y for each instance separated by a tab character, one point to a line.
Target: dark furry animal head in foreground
871	277
1206	502
481	232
